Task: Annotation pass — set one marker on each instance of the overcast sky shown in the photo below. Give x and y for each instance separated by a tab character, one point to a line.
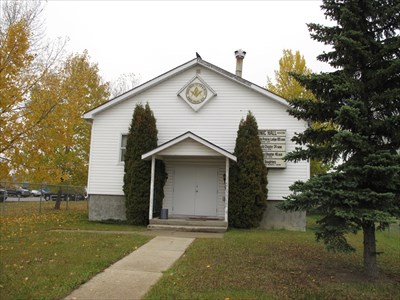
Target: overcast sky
150	38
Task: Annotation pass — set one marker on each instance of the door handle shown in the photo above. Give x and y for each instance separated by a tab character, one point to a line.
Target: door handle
197	188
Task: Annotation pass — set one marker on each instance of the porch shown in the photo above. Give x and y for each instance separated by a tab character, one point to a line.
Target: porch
189	224
197	187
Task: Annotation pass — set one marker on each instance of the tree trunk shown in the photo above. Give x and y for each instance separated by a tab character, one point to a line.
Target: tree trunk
370	267
58	201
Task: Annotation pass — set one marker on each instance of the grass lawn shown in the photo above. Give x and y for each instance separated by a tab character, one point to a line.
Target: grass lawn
258	264
39	263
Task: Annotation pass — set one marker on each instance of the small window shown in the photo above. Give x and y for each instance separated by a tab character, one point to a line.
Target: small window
124	138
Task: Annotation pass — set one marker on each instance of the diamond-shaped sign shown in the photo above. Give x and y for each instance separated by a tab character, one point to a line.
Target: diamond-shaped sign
196	93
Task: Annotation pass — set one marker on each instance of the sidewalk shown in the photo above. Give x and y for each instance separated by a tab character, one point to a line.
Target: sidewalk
132	276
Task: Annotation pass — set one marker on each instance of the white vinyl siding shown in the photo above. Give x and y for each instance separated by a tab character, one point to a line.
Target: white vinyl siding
217	122
188	147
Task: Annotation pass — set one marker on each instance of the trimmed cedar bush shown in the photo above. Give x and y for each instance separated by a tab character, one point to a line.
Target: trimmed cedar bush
142	138
159	181
248	178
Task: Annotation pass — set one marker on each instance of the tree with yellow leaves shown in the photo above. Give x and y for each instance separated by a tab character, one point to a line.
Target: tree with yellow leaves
59	151
286	86
24	62
43	137
14	59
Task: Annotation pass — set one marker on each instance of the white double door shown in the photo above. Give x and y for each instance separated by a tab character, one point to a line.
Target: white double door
195	191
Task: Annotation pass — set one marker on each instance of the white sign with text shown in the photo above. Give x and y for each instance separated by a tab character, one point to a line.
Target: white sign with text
273	144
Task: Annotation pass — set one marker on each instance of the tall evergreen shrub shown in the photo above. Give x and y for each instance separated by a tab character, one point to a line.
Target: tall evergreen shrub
160	179
248	178
142	138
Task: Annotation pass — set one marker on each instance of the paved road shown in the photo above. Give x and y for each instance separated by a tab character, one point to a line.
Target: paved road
27	199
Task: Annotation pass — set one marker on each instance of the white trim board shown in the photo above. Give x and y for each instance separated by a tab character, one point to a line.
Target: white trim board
183	137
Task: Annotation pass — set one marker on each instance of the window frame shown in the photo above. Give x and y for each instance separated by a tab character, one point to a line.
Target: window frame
122	148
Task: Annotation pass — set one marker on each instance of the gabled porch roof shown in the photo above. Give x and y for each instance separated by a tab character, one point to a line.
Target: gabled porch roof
185	137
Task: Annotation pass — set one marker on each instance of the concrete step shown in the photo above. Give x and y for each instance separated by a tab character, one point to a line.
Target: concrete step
216	229
189	222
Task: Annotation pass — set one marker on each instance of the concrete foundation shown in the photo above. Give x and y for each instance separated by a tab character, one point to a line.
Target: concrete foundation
112	207
107	207
274	218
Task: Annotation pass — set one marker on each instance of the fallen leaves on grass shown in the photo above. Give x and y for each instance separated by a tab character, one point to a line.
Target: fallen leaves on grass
38	263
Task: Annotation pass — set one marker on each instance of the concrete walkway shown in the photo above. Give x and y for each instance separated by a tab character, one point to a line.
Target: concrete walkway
132	276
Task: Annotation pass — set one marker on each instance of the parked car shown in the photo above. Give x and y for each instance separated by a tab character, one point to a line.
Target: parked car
78	196
38	193
65	197
3	195
18	192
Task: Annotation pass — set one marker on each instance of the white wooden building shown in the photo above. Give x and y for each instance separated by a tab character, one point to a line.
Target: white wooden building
198	107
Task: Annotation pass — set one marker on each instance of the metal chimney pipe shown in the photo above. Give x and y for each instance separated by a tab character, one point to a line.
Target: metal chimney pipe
239	54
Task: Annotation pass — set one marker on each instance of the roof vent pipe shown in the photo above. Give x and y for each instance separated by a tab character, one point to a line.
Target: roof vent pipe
239	54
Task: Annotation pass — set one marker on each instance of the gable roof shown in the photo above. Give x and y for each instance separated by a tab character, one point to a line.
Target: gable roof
194	62
185	136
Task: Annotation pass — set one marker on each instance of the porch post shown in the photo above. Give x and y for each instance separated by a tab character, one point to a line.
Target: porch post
153	164
226	188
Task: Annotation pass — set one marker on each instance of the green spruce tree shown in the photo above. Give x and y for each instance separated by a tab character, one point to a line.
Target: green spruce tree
362	98
142	138
248	178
